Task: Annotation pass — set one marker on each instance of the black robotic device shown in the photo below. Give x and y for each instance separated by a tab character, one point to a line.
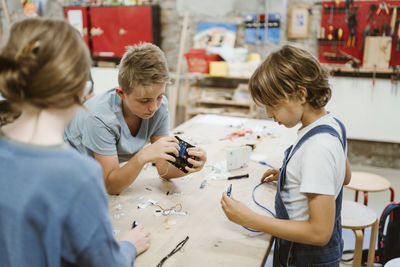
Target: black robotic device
181	161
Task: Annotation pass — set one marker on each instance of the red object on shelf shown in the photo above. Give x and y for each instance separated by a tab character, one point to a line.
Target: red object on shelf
199	61
81	24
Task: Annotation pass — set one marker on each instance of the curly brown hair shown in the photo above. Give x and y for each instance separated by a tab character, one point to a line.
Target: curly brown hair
278	78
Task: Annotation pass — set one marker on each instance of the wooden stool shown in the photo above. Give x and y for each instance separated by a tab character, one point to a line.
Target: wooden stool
357	217
393	263
368	182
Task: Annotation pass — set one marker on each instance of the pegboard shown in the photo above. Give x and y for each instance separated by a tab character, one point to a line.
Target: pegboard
335	14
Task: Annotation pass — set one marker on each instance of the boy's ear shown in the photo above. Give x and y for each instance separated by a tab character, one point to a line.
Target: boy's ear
120	92
302	93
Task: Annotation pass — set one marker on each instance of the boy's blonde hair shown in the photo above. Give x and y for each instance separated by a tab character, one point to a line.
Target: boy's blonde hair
44	63
142	65
278	78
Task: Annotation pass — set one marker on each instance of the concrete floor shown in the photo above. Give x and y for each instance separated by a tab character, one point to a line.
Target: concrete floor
376	201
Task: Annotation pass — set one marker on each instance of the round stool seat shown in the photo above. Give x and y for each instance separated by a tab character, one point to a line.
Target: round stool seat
368	182
356	216
393	263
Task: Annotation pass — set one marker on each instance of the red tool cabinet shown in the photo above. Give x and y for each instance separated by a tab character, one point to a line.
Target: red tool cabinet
109	30
112	29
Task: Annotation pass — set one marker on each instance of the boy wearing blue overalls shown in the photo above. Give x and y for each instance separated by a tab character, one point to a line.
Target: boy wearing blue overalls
293	87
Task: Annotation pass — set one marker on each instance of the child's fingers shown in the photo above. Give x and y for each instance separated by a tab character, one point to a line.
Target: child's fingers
169	157
172	150
190	170
173	139
223	202
269	175
265	178
176	146
195	163
169	139
196	152
272	178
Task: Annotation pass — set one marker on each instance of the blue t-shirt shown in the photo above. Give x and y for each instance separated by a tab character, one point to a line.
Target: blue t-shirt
53	210
101	128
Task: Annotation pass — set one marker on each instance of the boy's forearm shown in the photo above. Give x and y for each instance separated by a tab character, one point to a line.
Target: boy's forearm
120	178
296	231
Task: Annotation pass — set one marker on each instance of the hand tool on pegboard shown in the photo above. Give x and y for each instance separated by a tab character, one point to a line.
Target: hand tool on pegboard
355	62
331	11
383	6
372	10
398	38
352	23
384	28
393	20
366	32
374	76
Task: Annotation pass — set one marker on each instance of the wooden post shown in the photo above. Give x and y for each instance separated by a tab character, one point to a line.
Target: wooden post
5	9
173	90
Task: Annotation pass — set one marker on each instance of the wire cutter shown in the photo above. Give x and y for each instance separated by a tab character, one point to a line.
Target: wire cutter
383	6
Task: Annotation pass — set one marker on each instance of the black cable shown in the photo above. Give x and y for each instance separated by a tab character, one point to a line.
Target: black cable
176	249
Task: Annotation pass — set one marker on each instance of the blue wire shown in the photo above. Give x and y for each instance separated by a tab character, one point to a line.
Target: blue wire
258	204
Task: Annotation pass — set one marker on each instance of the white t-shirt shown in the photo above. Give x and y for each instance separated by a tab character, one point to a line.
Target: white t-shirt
318	167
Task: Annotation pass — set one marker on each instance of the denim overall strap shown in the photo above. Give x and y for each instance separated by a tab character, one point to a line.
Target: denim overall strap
288	253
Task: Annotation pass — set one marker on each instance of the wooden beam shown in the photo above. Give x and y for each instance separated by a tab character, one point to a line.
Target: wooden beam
173	90
5	9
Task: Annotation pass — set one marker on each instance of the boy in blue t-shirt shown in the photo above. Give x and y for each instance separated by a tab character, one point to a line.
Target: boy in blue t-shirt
122	120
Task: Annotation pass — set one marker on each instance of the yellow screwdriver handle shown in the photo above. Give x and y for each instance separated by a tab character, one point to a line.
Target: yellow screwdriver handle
340	33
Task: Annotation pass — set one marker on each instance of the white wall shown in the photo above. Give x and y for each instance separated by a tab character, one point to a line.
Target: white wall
369	112
104	79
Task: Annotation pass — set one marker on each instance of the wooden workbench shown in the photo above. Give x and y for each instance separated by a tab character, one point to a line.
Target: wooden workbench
213	239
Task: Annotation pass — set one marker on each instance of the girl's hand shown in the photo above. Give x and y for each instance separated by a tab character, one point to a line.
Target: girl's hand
139	237
200	158
160	149
235	210
270	175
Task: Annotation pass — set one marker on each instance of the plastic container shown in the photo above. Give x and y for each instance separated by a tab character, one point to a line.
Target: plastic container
218	68
199	61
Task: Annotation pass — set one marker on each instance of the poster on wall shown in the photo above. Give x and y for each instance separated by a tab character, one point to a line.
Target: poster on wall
216	38
255	28
33	8
299	21
210	34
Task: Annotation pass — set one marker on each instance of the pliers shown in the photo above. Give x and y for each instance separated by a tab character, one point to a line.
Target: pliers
351	41
383	6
